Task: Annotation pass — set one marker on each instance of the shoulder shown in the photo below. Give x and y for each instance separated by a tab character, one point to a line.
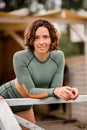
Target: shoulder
23	54
57	56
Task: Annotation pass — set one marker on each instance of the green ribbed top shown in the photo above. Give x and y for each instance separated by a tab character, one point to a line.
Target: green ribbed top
39	77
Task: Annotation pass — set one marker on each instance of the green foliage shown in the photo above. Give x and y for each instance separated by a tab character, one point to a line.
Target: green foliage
81	125
69	48
72	4
17	4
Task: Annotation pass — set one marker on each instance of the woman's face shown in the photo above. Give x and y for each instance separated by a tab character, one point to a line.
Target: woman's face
42	40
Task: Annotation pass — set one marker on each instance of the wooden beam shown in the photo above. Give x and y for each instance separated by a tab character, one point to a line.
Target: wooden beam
16	37
13	26
31	101
85	50
82	36
28	20
7	118
28	124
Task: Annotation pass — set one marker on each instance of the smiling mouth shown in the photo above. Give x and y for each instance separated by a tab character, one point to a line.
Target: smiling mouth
42	48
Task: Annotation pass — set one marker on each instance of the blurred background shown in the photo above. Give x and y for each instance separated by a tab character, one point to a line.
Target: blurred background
70	18
42	5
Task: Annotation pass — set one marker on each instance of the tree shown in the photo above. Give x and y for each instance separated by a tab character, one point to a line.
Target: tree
9	5
72	4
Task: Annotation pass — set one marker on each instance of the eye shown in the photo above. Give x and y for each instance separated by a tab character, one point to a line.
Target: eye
46	36
36	37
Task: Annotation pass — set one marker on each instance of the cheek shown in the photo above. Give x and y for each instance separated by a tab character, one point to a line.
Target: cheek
35	44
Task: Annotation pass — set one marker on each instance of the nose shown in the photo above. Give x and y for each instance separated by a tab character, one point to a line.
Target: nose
41	41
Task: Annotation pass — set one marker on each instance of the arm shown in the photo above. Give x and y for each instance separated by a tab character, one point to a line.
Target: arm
58	77
65	92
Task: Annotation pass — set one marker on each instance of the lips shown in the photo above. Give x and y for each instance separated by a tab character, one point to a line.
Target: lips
42	48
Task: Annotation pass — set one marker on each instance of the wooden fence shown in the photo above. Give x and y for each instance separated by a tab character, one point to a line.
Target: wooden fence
10	121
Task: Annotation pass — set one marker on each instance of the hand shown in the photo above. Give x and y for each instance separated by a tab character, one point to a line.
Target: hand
75	93
1	97
66	93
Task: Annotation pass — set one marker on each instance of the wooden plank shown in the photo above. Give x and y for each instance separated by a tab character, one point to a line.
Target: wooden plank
31	101
28	124
16	37
7	118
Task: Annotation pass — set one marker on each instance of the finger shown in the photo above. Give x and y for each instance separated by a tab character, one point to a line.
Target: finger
75	96
68	92
1	97
75	92
64	95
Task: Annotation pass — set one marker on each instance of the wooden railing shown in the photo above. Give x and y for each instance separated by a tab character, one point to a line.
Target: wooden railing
10	121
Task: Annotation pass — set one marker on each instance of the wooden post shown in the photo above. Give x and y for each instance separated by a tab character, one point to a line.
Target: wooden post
86	55
28	124
7	118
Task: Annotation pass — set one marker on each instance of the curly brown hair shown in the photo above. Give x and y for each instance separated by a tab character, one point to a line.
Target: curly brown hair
29	34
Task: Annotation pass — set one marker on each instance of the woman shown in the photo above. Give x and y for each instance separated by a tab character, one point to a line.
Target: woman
39	69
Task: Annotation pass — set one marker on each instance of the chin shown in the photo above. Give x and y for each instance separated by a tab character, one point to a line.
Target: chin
42	51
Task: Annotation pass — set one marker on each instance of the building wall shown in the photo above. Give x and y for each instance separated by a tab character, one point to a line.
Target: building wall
77	72
8	47
1	60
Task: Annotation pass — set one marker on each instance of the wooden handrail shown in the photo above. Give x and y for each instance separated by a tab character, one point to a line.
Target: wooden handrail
50	100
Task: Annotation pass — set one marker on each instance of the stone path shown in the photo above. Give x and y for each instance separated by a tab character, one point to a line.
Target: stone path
55	125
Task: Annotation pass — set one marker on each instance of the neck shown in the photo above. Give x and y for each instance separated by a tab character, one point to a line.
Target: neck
41	56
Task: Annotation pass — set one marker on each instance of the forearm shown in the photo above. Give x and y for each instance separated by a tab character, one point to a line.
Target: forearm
42	92
34	92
